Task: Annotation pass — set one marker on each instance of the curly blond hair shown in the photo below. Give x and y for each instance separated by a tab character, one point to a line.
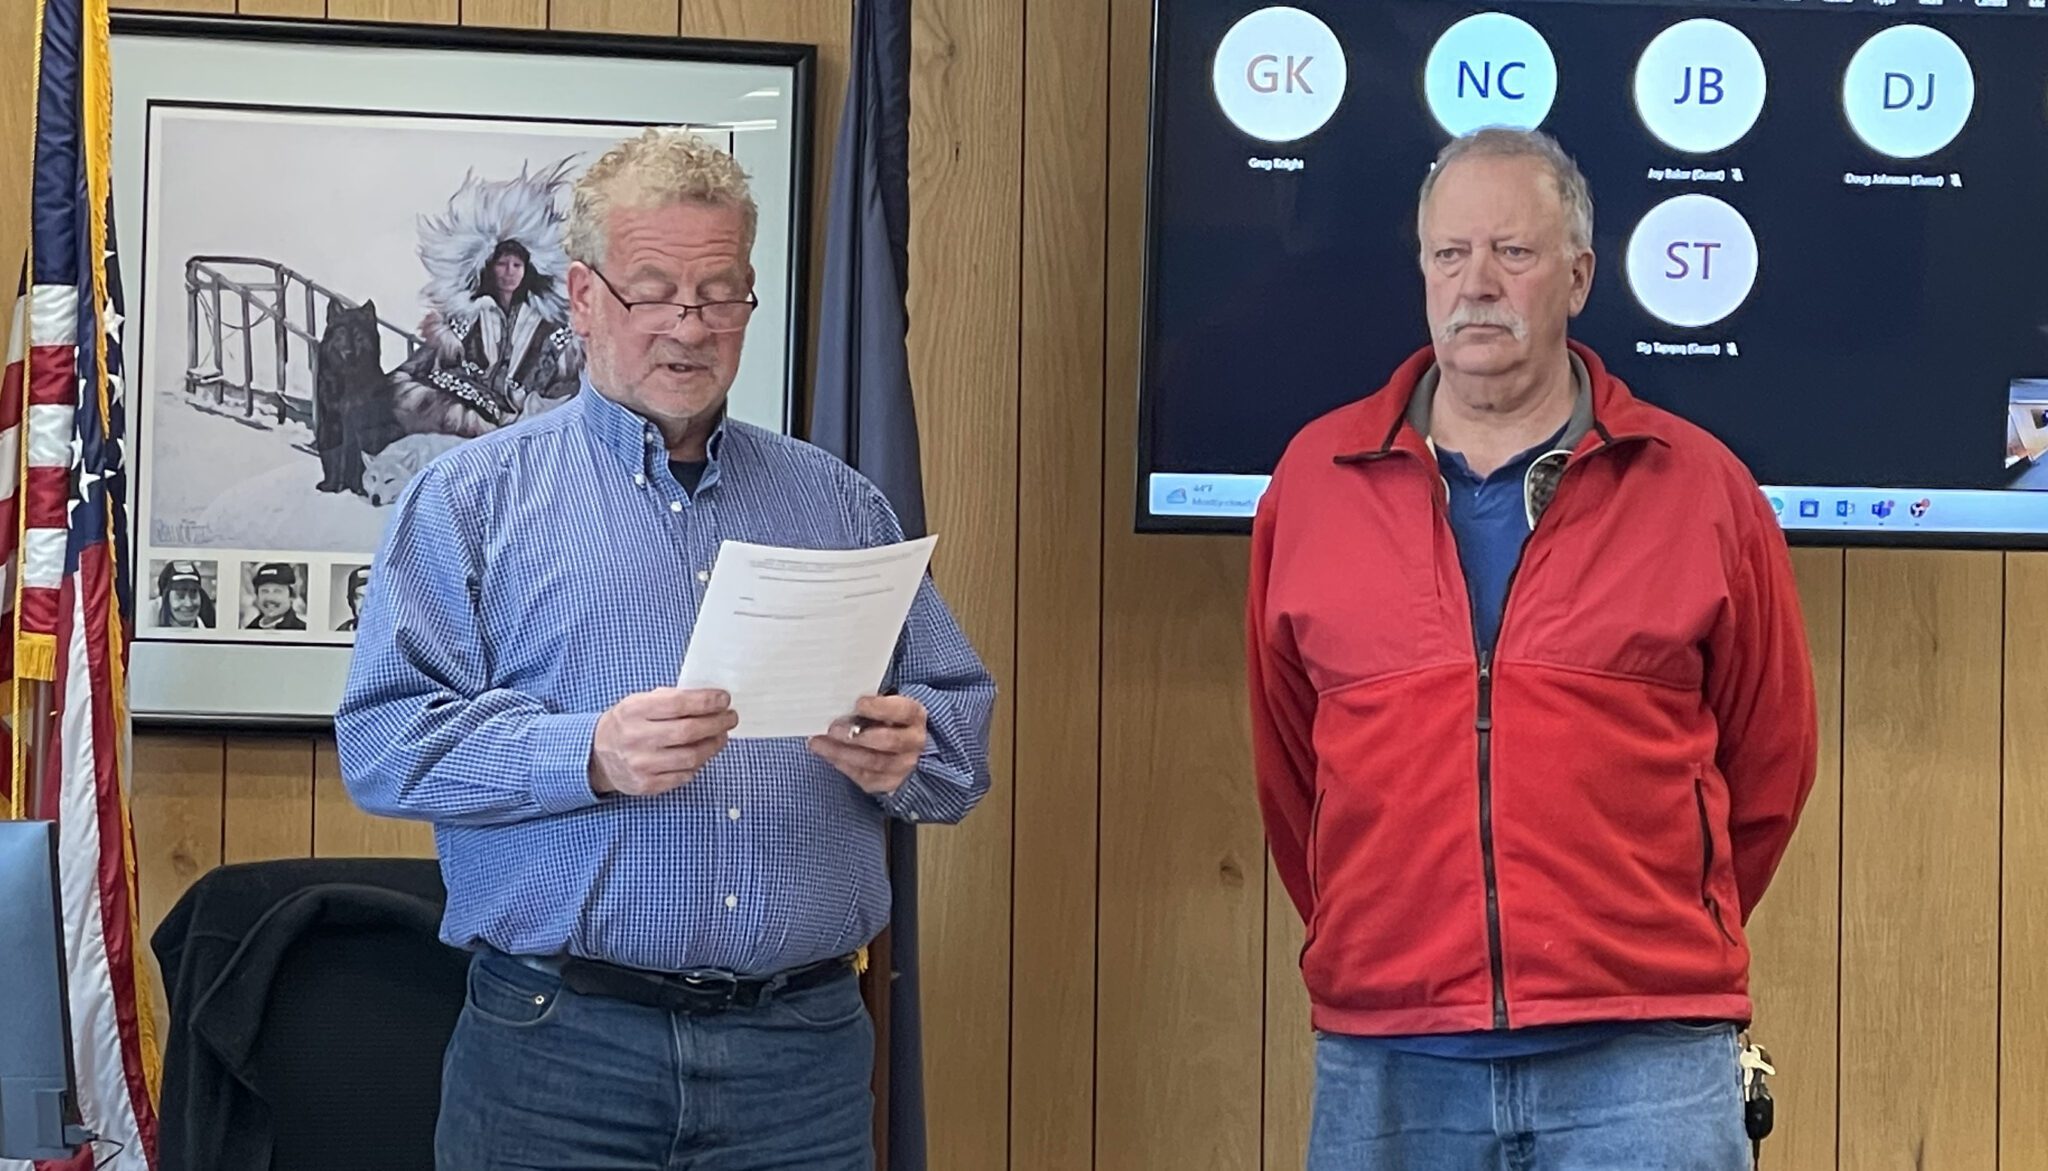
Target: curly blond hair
657	168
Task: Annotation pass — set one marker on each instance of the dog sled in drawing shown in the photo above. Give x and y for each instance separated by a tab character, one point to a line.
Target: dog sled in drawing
492	347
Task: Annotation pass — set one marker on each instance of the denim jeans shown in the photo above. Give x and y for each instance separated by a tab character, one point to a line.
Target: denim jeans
1667	1096
540	1078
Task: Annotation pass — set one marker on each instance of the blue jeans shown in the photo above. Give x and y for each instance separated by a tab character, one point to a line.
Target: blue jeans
1667	1096
540	1078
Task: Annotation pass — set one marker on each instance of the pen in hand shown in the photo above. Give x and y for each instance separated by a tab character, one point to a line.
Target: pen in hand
862	723
878	746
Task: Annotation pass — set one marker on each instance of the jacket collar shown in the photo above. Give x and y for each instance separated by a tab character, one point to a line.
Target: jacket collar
1423	399
1382	423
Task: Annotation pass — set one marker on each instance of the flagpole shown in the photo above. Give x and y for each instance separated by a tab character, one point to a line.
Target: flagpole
32	742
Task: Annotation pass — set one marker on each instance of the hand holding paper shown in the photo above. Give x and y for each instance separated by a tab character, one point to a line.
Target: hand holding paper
797	636
655	741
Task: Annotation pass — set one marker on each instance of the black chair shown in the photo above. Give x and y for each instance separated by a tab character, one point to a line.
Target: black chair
310	1003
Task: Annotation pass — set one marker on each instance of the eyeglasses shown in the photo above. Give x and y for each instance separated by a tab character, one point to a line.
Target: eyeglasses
663	316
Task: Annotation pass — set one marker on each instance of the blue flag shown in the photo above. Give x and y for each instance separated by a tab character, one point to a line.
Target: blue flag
861	411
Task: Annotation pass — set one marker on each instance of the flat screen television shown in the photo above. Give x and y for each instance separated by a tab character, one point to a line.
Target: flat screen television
1821	232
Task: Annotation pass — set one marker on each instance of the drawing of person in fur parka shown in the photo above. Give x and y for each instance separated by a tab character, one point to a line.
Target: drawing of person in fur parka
498	346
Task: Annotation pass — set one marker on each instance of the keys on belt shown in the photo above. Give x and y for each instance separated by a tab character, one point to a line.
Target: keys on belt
1757	1112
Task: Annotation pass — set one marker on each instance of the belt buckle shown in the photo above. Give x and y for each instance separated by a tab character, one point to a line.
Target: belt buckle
709	987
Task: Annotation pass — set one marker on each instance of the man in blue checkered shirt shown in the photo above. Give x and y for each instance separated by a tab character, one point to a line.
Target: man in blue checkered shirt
666	923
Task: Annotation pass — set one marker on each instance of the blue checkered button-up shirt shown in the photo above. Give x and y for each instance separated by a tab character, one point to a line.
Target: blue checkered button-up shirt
530	579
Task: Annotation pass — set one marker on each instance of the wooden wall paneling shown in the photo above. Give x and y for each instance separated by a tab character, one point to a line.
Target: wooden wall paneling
342	830
17	51
175	804
1182	902
212	6
1182	899
1795	935
651	17
1059	574
1290	1060
828	24
307	9
503	13
1182	892
268	808
2023	986
1920	826
965	146
402	11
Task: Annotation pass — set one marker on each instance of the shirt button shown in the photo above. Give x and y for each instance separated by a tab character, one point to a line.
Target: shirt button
731	901
703	575
734	814
912	815
675	506
640	479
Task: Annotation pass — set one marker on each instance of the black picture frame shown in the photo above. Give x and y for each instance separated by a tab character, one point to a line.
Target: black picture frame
222	87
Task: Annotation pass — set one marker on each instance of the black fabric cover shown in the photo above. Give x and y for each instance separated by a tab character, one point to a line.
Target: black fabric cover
310	1002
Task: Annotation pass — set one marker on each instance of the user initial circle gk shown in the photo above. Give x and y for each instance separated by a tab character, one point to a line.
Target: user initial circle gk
1279	74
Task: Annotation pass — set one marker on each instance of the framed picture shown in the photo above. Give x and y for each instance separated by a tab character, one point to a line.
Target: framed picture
342	250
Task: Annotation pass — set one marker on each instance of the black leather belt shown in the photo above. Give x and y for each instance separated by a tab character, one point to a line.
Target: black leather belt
700	990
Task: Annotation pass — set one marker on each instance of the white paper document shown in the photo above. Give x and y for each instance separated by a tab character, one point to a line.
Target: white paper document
797	636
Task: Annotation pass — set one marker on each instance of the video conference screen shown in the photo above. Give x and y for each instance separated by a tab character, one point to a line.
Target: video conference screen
1820	228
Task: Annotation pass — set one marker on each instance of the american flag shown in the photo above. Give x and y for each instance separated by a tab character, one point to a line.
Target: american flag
64	576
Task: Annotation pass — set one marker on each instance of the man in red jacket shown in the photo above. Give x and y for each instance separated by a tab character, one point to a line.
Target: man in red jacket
1533	720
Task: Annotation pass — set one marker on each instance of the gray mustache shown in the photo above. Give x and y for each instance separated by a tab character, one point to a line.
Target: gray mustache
1470	313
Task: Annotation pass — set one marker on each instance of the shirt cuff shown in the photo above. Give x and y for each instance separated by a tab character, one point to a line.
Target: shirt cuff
922	795
903	804
558	749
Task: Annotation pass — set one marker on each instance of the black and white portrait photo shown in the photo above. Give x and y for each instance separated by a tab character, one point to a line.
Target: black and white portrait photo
345	596
273	596
182	595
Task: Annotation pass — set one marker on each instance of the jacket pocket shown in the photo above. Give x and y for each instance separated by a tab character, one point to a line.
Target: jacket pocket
1707	899
1315	867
